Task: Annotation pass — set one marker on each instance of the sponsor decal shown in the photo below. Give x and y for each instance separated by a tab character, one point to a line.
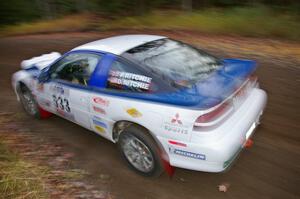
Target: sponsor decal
187	153
61	103
176	120
130	79
32	83
65	114
175	125
177	143
40	87
100	129
60	90
99	110
175	129
101	101
99	125
44	102
133	112
60	112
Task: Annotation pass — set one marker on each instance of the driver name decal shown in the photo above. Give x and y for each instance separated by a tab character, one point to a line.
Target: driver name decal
130	79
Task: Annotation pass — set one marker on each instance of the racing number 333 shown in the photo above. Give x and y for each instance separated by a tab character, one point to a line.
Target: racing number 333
61	103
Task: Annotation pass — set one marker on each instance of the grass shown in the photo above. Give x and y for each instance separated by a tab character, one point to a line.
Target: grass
245	21
18	178
256	22
25	179
65	24
75	174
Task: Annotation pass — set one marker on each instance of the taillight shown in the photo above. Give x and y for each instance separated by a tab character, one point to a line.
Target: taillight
213	115
208	117
211	119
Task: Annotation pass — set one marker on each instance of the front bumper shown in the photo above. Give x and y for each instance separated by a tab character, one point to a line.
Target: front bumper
218	152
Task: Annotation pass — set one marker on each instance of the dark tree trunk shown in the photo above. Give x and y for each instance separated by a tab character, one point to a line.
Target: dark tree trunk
81	5
46	9
187	5
141	7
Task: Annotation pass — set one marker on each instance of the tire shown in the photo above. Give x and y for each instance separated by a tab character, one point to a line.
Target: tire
140	151
28	102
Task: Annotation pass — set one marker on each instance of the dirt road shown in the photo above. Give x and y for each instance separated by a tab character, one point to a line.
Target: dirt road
270	169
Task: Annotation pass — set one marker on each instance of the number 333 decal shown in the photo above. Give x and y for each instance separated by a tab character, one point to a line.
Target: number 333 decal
61	103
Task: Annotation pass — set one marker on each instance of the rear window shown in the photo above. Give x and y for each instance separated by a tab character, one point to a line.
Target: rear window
180	62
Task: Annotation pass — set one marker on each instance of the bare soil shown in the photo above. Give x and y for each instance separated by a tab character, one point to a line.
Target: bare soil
270	169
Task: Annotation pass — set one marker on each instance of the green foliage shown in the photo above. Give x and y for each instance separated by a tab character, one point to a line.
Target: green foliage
13	11
16	11
133	7
80	22
249	17
246	21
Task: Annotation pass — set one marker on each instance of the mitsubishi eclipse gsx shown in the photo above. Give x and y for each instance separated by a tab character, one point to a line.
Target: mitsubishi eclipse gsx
165	103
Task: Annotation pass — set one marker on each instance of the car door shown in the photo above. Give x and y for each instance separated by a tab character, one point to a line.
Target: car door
68	89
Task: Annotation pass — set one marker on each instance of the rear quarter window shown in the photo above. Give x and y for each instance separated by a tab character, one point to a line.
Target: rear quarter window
124	77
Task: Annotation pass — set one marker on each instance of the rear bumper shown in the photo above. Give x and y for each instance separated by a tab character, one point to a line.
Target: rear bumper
217	152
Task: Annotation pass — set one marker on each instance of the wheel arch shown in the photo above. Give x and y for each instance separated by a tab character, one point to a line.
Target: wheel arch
20	78
18	87
119	127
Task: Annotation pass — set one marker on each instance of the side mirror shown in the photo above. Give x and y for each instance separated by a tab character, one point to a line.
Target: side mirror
44	76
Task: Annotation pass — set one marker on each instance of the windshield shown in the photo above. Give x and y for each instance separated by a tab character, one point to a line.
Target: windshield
180	62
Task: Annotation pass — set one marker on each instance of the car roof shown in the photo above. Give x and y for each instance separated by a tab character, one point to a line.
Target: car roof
118	44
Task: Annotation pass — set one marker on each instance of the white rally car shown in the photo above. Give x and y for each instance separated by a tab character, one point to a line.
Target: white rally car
162	101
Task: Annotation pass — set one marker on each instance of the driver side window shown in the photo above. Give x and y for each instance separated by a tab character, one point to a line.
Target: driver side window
75	68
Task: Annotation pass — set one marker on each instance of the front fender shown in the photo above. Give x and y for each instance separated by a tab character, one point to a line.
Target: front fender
21	77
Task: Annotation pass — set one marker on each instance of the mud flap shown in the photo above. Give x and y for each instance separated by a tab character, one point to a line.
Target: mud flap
43	113
170	170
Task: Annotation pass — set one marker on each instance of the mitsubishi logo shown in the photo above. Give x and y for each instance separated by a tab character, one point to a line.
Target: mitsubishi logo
176	119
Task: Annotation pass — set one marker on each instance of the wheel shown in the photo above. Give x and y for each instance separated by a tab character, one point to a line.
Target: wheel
28	102
140	151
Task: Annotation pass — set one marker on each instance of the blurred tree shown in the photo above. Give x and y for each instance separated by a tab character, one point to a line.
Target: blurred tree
187	5
81	5
14	11
46	8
